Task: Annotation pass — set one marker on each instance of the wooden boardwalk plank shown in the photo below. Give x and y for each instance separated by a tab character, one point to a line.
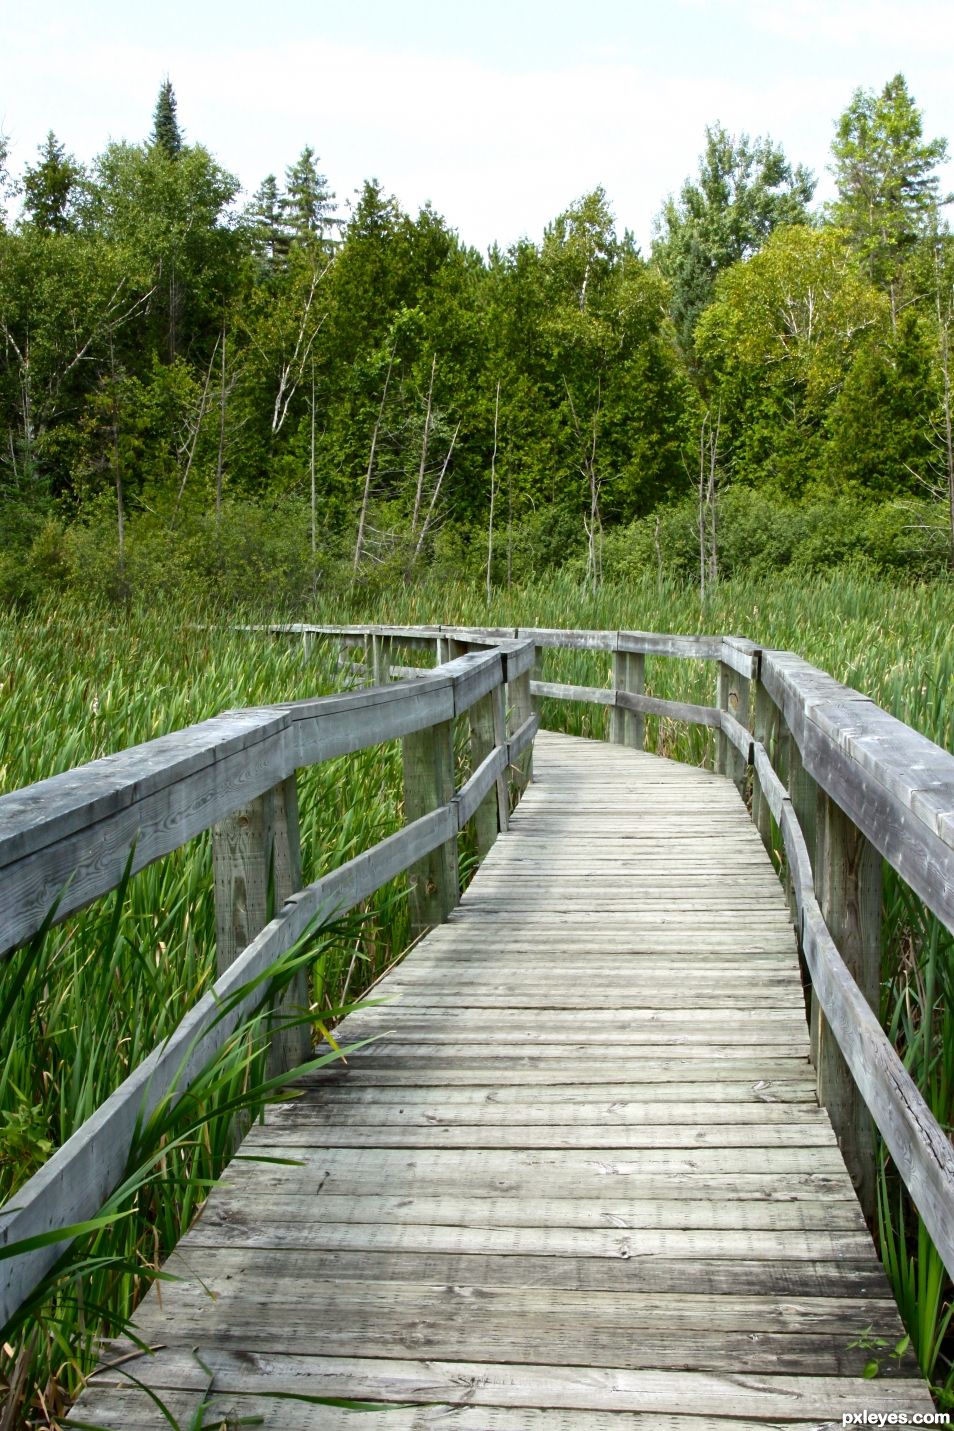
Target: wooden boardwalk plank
579	1181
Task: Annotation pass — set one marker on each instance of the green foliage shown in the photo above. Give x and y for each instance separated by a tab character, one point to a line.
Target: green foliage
307	206
885	170
746	189
760	535
50	187
166	134
880	422
777	343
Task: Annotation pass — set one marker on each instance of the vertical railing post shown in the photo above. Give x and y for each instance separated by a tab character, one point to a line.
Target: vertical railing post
764	722
629	674
521	709
734	698
848	886
487	730
803	793
428	784
380	659
536	674
256	860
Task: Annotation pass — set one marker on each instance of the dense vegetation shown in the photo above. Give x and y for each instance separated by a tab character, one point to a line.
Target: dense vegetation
284	397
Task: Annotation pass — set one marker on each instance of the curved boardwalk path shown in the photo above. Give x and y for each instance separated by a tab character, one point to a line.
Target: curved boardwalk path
582	1181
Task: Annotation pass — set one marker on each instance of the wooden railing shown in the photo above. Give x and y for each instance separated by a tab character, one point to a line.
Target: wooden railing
845	785
68	840
841	782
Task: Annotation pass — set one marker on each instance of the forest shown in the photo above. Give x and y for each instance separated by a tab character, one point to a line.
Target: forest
288	395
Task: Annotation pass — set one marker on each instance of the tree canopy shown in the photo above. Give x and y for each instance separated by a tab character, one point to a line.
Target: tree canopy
172	355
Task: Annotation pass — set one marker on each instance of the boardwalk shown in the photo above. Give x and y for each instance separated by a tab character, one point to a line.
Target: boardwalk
582	1181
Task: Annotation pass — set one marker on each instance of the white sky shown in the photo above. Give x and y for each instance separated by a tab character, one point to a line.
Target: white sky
501	112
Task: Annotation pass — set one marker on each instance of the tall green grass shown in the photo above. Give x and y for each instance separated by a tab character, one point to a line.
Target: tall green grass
100	990
85	1003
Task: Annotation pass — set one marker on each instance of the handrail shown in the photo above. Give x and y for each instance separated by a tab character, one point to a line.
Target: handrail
68	838
77	830
895	786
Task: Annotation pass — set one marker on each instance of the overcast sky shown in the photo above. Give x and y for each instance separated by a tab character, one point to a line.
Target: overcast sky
500	112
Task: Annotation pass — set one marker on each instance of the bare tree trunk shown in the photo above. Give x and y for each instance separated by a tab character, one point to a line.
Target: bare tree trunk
593	524
435	495
366	497
702	507
311	470
193	440
509	525
596	521
493	493
292	371
117	473
419	491
713	500
944	333
708	503
220	453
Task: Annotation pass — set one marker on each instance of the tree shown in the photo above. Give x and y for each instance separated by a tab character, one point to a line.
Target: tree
776	345
265	216
50	186
166	134
888	190
4	177
168	215
746	189
307	206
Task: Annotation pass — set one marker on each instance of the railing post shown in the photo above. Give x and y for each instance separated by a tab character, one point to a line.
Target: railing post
536	674
629	674
428	784
765	718
803	793
521	709
256	860
487	730
848	887
380	659
734	698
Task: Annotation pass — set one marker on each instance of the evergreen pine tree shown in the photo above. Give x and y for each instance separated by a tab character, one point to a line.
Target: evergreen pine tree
886	171
49	186
166	133
308	204
268	230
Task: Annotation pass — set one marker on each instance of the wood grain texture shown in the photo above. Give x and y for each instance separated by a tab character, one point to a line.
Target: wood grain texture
580	1179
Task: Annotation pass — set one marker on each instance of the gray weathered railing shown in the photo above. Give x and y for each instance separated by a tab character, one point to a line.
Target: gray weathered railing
846	785
67	840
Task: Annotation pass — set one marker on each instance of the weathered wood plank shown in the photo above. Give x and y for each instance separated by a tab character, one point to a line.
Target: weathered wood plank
256	858
129	1409
428	786
895	785
923	1155
651	643
567	1387
69	839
